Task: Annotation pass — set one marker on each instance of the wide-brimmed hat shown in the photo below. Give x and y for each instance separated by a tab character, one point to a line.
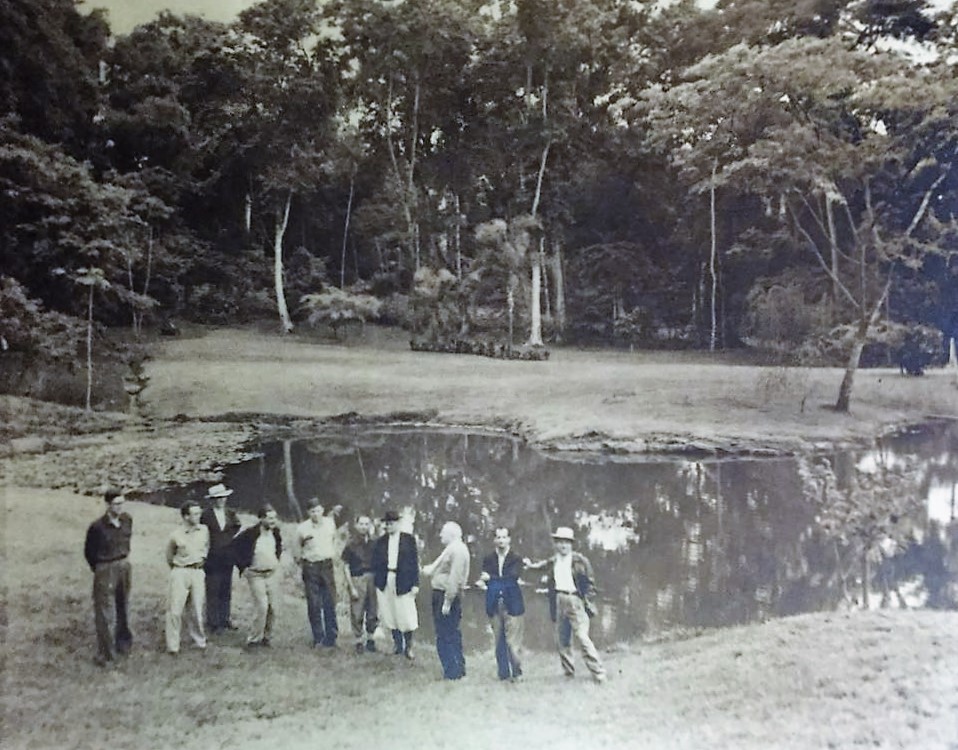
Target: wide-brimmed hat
390	515
219	490
564	533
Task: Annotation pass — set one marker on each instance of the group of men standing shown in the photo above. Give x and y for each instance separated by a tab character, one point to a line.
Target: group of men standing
382	575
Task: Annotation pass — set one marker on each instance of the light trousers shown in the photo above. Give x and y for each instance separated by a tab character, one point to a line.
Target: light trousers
265	590
572	621
187	587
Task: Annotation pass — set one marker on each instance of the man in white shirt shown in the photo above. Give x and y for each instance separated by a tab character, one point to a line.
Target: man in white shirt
449	573
185	554
571	586
315	551
258	551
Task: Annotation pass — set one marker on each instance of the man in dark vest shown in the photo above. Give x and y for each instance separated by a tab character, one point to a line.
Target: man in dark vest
501	571
395	565
107	549
223	525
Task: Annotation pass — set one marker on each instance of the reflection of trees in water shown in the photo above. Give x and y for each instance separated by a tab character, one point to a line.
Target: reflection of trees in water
877	517
673	542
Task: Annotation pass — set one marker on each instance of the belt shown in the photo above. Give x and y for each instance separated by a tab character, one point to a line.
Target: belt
568	593
111	560
359	573
392	570
262	571
192	566
325	560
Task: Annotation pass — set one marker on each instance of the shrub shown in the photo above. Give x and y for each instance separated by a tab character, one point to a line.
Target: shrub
336	307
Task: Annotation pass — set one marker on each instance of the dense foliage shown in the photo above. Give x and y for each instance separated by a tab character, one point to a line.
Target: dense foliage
771	173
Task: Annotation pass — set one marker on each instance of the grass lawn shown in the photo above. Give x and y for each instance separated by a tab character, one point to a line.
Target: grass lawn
880	679
576	399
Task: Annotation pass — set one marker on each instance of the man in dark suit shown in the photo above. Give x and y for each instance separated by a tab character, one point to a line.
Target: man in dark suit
395	565
501	571
223	525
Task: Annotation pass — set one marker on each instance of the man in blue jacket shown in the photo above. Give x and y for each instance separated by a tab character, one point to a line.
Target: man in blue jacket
501	571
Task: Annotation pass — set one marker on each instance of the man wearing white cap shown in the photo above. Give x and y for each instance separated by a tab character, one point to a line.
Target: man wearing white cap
223	526
571	588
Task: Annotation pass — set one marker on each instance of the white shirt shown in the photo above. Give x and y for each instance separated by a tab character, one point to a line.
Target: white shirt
220	515
317	541
502	560
264	553
392	551
562	570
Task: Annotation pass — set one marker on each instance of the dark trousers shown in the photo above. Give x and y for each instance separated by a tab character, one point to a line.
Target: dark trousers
111	594
449	636
321	601
219	592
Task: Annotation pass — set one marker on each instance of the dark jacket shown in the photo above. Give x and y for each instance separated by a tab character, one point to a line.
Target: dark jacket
506	586
583	578
407	564
106	542
244	544
221	553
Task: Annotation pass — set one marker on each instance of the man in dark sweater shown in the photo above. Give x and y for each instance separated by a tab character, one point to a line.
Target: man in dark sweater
223	525
107	549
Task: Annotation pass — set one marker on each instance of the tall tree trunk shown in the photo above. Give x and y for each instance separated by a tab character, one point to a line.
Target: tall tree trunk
535	334
868	319
833	245
953	357
511	306
458	240
290	483
349	210
248	213
558	285
712	258
282	220
89	350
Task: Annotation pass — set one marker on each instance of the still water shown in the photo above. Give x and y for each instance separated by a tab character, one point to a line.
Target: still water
675	543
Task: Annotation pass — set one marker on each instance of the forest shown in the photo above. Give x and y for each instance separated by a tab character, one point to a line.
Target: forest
778	175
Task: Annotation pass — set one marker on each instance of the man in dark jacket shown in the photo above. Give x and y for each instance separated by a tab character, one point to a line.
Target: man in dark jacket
223	525
571	587
395	565
501	571
258	550
106	549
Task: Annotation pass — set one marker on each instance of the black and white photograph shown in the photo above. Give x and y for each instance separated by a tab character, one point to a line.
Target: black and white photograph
473	374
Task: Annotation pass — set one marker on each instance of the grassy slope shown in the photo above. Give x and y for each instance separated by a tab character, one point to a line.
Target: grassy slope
619	395
881	679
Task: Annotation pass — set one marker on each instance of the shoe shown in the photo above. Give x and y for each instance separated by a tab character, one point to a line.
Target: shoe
103	661
599	678
370	646
359	648
408	653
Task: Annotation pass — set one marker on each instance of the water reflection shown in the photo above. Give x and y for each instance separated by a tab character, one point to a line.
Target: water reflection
675	543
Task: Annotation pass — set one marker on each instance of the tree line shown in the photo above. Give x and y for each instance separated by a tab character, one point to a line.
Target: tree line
770	173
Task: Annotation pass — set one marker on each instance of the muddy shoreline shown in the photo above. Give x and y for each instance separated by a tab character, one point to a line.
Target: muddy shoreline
149	455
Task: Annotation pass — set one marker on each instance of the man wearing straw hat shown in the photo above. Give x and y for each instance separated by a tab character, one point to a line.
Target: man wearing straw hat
223	526
571	587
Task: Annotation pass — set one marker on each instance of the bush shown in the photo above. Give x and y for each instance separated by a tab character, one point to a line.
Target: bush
336	308
779	315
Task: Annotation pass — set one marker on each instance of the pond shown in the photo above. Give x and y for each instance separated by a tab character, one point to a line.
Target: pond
676	543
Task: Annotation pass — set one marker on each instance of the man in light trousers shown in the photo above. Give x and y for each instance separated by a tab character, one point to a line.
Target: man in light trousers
185	554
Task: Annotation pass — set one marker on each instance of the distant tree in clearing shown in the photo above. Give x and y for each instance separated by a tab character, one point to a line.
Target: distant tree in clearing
336	307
